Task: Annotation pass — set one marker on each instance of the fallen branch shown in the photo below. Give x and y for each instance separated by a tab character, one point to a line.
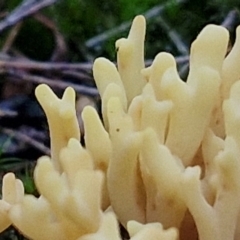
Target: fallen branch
56	83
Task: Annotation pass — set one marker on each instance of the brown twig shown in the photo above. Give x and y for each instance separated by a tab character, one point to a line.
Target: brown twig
11	37
27	139
9	62
231	19
56	83
78	75
60	51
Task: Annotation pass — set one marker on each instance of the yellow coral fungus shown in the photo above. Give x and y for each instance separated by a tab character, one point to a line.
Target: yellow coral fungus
165	162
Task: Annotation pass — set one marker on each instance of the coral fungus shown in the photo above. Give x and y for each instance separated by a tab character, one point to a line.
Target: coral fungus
164	162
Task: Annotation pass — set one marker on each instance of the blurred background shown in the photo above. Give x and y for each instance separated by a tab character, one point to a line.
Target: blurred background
56	41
